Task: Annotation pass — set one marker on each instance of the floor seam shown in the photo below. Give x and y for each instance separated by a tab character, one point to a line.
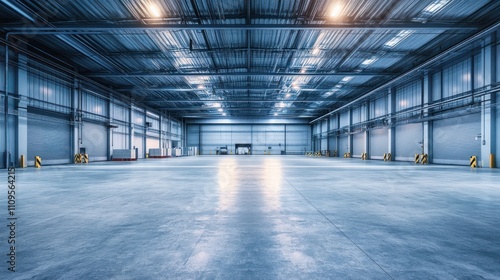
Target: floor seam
332	223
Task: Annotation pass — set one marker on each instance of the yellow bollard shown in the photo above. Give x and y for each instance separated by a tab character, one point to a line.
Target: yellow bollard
38	161
492	161
473	161
22	162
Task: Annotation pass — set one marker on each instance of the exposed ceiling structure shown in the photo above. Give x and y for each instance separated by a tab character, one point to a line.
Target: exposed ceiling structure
245	58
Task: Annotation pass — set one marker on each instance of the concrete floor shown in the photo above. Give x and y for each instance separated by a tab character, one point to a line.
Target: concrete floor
255	217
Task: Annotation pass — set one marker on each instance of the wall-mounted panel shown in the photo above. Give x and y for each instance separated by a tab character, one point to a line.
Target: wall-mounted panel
152	143
408	141
95	141
50	139
454	140
379	143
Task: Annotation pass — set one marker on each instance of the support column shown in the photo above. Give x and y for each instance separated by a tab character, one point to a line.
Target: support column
391	145
22	111
427	126
488	140
110	129
77	117
367	132
349	135
131	128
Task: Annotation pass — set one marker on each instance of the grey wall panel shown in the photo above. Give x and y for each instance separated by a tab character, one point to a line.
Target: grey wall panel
298	139
120	141
379	142
358	144
50	139
497	154
2	131
344	119
95	141
454	140
139	144
333	143
193	135
343	145
407	141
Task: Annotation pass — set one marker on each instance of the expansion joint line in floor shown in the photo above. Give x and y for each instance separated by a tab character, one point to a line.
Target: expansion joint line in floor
343	233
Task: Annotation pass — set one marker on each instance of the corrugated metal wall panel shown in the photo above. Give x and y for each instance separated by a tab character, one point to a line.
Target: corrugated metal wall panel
343	145
241	134
120	113
2	129
334	122
138	117
356	115
298	139
454	139
50	139
120	141
193	136
409	95
379	107
333	143
379	142
344	119
497	155
358	144
457	78
408	138
436	86
95	141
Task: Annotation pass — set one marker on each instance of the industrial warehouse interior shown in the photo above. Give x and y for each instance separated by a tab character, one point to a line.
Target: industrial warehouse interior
249	139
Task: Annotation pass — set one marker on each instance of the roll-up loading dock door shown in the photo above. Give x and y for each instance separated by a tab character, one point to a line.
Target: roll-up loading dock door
49	138
95	141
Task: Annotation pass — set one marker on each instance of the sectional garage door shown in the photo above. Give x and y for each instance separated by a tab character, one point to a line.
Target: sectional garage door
343	145
50	139
379	142
95	141
408	138
454	139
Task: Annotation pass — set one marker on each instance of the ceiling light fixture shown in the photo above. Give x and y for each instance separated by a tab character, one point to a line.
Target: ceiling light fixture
220	109
315	51
403	34
346	79
369	61
224	114
275	114
436	6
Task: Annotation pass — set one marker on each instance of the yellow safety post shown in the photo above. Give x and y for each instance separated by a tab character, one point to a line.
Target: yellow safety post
425	159
364	156
389	157
38	161
335	153
22	162
492	161
473	161
78	158
85	158
417	158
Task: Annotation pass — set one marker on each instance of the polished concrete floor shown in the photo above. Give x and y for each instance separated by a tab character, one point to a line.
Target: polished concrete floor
255	217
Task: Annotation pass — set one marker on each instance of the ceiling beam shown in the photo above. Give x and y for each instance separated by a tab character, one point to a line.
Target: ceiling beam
231	109
234	74
111	27
175	89
243	101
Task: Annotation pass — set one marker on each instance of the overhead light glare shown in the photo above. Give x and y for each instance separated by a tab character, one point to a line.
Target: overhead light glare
336	9
224	114
315	51
154	11
288	95
275	114
220	109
